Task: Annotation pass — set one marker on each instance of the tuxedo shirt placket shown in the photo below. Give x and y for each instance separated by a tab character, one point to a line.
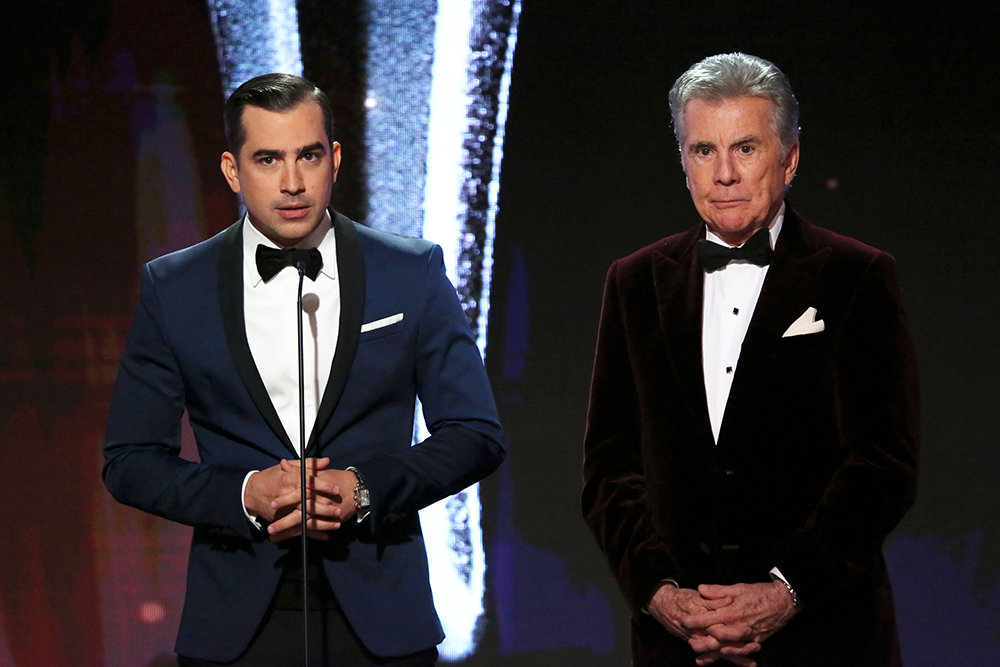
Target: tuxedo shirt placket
270	311
730	298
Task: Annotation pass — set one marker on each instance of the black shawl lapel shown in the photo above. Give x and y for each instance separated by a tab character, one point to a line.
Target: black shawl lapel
680	283
351	274
789	289
234	325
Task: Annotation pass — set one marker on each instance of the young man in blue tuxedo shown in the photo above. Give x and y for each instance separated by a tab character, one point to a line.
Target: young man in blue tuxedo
215	333
753	425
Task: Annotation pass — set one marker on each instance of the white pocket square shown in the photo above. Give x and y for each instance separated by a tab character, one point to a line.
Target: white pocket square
806	324
384	322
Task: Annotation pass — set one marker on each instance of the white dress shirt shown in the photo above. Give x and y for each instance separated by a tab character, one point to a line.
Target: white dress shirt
272	333
270	312
730	298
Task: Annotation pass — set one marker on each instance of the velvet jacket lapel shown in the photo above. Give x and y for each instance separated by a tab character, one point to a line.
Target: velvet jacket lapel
350	273
680	282
789	288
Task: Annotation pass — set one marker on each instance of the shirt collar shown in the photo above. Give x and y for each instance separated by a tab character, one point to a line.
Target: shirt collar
773	229
322	238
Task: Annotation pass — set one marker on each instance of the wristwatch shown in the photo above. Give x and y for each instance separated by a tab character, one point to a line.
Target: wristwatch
362	500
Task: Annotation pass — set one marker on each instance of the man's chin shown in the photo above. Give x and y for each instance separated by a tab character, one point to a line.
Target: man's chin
287	233
734	232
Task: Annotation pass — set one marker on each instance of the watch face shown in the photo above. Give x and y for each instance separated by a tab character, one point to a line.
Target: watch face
362	499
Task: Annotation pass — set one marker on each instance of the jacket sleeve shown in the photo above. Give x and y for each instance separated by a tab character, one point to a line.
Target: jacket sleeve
614	492
465	435
878	412
143	467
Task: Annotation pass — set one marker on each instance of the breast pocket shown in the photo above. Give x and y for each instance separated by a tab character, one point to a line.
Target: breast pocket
381	328
810	344
802	375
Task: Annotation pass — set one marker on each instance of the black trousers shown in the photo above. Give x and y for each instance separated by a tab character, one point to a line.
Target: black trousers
332	641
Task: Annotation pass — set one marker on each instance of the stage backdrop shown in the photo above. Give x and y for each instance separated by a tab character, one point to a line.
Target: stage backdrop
112	114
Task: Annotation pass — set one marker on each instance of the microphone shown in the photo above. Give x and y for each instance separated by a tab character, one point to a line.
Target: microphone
308	262
300	264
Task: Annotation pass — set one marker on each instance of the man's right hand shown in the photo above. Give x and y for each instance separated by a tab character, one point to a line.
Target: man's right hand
672	606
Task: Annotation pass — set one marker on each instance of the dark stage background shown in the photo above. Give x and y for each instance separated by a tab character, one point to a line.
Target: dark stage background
107	99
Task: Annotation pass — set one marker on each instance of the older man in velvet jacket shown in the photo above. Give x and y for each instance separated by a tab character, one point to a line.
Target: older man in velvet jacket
753	425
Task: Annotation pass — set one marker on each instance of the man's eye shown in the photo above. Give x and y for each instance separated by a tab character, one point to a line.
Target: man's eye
309	157
704	151
267	160
746	150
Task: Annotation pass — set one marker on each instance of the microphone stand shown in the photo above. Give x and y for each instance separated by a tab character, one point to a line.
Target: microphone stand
302	470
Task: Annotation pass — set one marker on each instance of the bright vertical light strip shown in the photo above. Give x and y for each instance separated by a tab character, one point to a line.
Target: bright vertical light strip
254	37
452	527
459	601
458	598
449	103
501	123
285	45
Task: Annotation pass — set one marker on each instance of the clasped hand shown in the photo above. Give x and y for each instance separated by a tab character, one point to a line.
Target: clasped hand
275	495
723	622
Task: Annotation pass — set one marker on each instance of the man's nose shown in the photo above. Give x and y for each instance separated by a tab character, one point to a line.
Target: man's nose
291	179
726	170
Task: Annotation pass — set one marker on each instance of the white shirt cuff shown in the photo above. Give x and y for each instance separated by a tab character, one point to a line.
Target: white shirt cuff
775	572
243	494
776	576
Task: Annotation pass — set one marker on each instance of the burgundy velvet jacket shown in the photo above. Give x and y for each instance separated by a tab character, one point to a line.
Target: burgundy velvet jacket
817	454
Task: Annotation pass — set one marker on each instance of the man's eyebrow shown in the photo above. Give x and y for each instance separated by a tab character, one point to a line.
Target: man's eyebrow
317	147
749	139
268	152
698	145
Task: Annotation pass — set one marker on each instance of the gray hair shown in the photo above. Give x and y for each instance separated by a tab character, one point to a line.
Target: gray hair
731	75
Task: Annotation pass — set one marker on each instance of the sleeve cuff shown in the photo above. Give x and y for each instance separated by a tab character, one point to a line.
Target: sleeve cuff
243	494
777	576
665	582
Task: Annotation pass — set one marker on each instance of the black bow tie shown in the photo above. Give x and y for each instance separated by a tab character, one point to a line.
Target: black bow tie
756	251
272	260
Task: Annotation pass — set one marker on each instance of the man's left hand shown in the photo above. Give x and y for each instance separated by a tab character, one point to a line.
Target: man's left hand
756	612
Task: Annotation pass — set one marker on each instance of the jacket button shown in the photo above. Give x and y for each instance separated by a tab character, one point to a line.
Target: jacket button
730	547
730	472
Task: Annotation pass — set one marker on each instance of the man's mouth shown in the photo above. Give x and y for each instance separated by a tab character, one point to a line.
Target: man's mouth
728	203
293	212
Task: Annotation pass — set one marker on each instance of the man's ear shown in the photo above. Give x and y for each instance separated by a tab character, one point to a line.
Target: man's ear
231	170
335	158
791	163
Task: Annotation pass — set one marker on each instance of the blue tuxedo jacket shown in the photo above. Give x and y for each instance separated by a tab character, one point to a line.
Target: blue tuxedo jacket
187	349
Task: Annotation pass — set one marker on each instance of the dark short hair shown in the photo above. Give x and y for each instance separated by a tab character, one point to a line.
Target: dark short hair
271	92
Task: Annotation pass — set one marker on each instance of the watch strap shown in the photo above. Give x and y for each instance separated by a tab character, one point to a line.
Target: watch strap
362	499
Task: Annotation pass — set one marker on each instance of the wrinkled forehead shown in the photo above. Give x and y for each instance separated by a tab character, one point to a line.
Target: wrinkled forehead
736	116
